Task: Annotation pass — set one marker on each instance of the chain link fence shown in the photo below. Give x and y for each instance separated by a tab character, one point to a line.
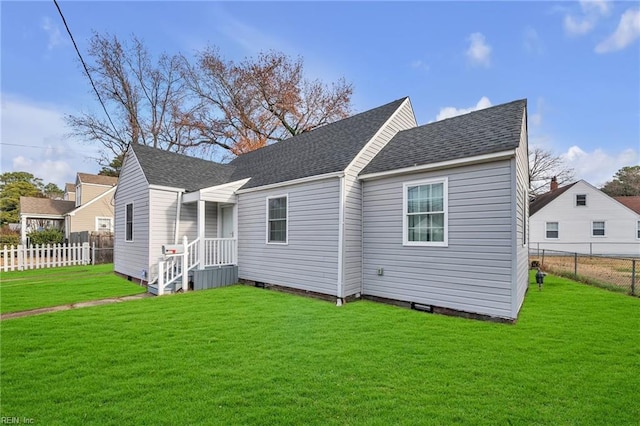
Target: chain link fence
613	273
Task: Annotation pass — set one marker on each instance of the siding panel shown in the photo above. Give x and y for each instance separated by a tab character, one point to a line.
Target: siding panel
352	268
310	259
472	274
132	257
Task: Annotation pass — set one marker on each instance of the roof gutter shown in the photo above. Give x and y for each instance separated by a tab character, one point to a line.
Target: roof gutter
502	155
338	174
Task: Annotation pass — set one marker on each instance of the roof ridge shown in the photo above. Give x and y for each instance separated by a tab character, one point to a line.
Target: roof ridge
475	111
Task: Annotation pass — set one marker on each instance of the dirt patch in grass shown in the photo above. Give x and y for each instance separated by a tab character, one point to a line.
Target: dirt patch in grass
602	271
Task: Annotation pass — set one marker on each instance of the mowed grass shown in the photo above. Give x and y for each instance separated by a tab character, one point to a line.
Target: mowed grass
41	288
242	355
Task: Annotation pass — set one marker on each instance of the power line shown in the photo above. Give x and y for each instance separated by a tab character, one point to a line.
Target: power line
26	146
86	69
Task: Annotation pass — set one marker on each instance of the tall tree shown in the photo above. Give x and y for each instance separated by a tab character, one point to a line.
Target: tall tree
626	181
244	106
146	99
172	104
51	190
113	169
13	185
543	166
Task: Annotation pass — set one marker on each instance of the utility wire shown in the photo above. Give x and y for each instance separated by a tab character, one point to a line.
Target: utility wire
25	146
86	69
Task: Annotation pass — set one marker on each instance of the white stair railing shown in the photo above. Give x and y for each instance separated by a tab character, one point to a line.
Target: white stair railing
177	266
220	251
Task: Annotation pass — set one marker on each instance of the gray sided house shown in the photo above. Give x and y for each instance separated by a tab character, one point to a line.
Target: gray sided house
371	205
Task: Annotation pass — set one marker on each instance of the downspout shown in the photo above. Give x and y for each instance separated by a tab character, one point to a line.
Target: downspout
361	237
340	241
176	238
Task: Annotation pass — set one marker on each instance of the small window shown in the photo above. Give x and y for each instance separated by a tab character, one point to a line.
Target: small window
581	200
638	231
103	224
597	229
277	220
552	230
425	213
128	222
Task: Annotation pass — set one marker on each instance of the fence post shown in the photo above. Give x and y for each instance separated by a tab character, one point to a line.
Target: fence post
542	261
633	277
93	254
575	264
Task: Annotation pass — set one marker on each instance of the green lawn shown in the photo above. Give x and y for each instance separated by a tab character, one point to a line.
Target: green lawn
242	355
41	288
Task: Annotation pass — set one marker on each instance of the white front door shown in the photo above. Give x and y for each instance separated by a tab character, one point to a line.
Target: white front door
226	222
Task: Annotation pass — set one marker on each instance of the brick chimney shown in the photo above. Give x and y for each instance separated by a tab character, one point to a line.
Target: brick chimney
554	184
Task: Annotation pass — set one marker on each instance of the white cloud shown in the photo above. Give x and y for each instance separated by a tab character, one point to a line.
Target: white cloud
53	32
532	41
479	52
578	26
627	32
535	119
598	166
448	112
592	11
420	65
33	140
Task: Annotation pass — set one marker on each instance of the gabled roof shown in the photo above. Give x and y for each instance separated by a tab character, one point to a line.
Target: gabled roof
546	198
69	187
327	149
487	131
97	179
180	171
631	202
34	205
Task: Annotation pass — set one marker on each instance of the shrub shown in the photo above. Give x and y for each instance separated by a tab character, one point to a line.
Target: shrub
46	236
9	237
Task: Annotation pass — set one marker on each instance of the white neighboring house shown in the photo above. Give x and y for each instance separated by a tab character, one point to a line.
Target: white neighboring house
581	218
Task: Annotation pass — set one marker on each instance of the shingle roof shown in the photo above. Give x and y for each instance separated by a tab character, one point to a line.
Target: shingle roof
632	202
180	171
327	149
546	198
69	187
486	131
34	205
97	179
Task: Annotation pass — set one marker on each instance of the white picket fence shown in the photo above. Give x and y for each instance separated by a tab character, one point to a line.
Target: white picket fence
21	257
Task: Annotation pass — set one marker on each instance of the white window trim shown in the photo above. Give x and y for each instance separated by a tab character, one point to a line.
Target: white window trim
104	217
266	237
638	230
133	222
445	200
545	230
605	229
575	204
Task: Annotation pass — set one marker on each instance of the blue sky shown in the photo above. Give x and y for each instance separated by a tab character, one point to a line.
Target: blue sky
577	63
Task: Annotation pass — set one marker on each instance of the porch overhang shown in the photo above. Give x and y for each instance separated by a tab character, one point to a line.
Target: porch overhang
225	193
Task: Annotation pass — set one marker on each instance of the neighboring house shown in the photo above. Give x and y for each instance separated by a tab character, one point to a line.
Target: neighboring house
87	206
369	206
69	192
581	218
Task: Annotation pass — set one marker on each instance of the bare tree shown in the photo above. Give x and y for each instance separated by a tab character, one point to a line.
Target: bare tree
543	166
244	106
146	100
174	105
